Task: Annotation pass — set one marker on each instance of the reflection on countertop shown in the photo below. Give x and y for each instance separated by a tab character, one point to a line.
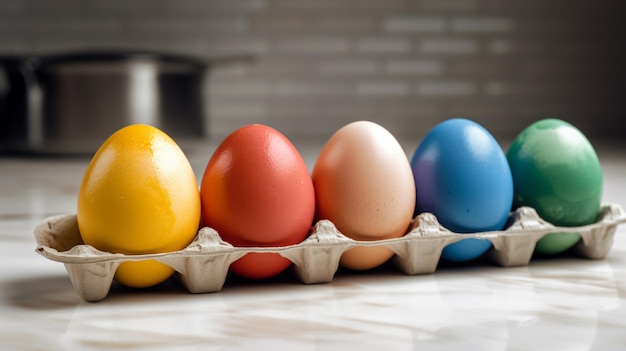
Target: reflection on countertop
564	303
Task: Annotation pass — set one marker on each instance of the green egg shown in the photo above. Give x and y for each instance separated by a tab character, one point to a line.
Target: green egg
556	171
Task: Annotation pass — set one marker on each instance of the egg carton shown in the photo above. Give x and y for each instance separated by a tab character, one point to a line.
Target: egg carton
203	265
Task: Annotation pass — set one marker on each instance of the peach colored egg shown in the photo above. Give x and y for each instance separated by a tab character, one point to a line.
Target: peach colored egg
364	185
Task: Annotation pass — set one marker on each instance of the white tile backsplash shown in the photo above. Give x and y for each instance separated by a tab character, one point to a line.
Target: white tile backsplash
414	24
414	67
382	88
358	67
445	88
449	46
373	45
482	24
404	63
312	45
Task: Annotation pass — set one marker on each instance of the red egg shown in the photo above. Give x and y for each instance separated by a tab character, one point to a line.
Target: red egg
257	192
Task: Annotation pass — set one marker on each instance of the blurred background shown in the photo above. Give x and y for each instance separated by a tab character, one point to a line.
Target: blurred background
406	64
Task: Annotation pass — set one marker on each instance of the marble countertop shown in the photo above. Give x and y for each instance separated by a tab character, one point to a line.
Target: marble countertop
564	303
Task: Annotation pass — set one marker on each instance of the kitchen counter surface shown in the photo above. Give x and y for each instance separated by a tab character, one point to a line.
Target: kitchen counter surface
562	303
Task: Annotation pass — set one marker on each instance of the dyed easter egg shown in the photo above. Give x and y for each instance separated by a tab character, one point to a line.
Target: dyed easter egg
257	191
462	177
557	172
139	195
364	185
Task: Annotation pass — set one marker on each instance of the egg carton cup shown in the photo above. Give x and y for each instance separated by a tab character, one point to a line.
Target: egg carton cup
203	265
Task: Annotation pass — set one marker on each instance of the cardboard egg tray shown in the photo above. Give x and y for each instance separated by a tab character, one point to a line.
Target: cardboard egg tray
203	265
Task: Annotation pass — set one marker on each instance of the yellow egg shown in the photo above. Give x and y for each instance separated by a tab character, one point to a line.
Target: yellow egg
139	195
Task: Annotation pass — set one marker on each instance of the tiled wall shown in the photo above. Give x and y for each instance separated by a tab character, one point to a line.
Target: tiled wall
406	64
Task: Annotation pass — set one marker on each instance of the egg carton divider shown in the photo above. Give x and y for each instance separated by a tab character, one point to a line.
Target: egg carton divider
203	265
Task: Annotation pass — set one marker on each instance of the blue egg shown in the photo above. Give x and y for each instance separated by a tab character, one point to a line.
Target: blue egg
462	176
